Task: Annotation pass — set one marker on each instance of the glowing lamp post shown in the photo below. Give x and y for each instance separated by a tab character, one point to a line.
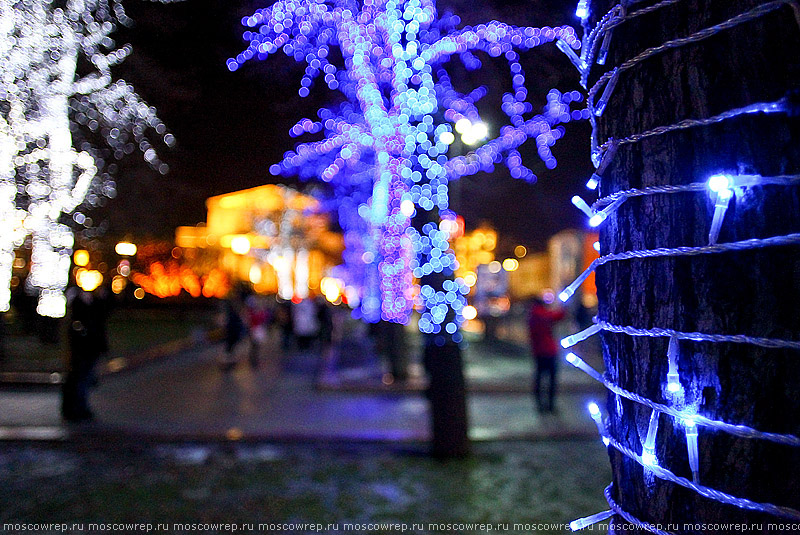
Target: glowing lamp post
240	245
471	133
125	248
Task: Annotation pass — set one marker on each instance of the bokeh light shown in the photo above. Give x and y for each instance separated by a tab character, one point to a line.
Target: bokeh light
81	258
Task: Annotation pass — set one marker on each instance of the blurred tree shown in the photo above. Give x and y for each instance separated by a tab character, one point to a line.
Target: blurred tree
61	116
391	132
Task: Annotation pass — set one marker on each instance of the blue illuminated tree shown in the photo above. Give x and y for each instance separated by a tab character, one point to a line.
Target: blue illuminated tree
385	148
396	124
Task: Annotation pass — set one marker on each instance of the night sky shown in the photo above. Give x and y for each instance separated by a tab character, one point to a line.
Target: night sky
230	127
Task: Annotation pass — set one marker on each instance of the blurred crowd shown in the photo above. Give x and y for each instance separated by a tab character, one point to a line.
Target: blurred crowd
251	320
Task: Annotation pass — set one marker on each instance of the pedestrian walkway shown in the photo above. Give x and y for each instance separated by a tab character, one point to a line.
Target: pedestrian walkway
187	396
489	367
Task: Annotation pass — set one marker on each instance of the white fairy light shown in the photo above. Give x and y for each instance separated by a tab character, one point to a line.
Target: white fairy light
571	54
649	446
691	446
594	412
582	11
719	186
603	214
581	523
602	165
573	339
718	183
581	205
744	245
738	430
673	379
606	96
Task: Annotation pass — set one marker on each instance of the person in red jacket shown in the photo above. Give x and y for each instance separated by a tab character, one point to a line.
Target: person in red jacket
545	351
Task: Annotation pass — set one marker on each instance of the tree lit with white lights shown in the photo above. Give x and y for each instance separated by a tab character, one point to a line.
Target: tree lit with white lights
61	116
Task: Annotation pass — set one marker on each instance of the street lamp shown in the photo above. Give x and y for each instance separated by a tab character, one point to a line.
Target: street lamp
240	245
471	133
125	248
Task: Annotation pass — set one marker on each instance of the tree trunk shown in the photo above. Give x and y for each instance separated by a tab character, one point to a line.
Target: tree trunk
444	365
751	292
447	395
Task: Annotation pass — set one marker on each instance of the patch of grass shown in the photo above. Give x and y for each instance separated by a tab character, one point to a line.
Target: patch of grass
129	330
135	329
502	483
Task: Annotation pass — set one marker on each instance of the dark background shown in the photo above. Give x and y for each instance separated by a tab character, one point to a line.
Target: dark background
230	127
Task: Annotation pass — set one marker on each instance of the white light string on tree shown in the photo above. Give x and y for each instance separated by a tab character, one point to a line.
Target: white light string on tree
705	33
734	181
604	29
604	154
722	188
700	35
744	245
707	492
783	105
738	430
773	343
618	510
581	523
616	16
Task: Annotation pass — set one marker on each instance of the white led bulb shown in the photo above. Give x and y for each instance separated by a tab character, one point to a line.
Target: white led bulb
581	523
581	205
573	57
582	11
719	185
649	447
607	92
571	340
691	446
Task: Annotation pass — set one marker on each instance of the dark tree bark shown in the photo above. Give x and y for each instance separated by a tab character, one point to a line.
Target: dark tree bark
755	292
444	366
448	400
2	341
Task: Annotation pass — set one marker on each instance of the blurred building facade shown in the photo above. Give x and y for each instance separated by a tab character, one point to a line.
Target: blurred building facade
271	236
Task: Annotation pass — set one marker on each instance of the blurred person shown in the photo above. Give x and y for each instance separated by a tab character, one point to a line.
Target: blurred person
258	318
283	322
88	341
305	323
541	320
325	320
235	327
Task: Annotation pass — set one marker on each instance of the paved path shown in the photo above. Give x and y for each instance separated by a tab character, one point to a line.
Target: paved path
188	397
